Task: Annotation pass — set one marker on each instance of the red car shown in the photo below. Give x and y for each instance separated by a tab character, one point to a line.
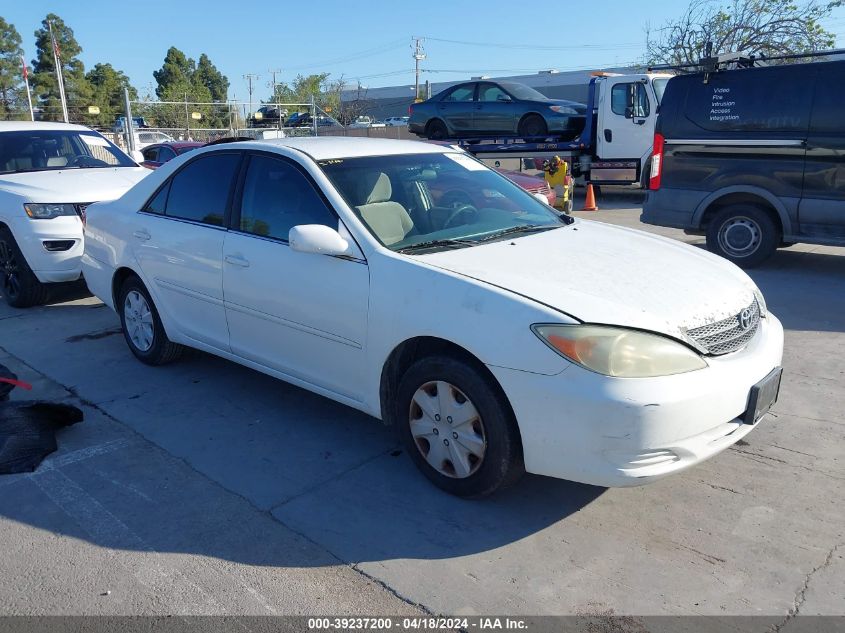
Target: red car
156	155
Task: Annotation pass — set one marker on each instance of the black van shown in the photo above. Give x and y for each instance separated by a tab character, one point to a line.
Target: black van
752	157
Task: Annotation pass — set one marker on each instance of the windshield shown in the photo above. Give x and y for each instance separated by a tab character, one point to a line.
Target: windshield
660	88
43	150
524	93
423	202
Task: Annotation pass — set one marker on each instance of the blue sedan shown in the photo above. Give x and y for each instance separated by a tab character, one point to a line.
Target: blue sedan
487	107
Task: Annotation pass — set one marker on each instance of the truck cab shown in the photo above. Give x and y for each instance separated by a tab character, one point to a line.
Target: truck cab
626	111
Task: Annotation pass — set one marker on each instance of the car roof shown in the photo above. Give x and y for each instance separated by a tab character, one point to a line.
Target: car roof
23	126
176	144
322	147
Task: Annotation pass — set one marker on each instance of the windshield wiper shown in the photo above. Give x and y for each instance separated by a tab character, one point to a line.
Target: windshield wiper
436	243
524	228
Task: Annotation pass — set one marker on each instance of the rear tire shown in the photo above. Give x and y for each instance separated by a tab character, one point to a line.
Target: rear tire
436	130
470	453
142	326
743	234
533	125
20	286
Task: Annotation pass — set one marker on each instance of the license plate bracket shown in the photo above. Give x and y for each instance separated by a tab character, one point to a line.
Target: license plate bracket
763	396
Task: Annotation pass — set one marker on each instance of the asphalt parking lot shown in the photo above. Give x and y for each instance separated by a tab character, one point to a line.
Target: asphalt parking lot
207	488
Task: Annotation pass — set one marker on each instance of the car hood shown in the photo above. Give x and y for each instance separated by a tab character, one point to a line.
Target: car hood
609	275
72	185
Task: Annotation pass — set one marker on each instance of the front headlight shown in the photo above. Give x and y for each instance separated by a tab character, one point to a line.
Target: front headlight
619	352
563	109
761	302
39	211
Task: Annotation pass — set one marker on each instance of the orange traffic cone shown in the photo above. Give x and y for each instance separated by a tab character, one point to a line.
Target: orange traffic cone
590	201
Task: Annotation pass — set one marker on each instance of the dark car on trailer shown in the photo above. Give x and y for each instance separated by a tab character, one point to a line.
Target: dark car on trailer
754	158
495	107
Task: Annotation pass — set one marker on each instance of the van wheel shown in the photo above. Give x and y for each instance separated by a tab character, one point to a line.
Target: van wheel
743	234
20	286
458	427
142	326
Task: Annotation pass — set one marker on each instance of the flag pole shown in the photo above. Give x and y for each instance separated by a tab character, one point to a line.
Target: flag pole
59	77
28	93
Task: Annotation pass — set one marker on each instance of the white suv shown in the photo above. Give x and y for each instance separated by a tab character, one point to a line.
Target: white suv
49	174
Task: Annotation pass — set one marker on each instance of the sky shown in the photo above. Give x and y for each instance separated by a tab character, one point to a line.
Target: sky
366	42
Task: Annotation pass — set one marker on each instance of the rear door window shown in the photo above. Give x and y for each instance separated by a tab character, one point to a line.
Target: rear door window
200	191
461	93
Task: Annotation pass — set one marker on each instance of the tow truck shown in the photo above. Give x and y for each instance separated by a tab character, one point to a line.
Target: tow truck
613	148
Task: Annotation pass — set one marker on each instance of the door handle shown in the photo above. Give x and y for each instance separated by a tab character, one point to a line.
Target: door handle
237	260
608	136
143	234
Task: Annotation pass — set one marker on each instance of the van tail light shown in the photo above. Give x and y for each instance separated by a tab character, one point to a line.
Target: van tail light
410	109
656	162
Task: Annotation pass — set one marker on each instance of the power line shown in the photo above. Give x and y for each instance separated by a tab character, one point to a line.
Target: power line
538	47
383	48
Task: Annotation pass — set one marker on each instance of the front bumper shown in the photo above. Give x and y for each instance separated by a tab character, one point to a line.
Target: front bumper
51	266
585	427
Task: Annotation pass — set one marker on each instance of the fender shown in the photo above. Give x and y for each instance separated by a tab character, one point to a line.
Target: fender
776	203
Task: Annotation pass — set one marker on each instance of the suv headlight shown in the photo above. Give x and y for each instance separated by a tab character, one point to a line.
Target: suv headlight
619	352
39	211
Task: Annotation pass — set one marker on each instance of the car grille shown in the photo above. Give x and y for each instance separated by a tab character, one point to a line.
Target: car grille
728	335
544	189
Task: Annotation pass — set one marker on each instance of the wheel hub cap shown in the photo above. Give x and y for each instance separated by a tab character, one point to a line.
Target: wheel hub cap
447	429
139	320
740	236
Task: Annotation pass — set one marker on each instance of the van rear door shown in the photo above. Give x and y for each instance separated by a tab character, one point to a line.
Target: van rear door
821	213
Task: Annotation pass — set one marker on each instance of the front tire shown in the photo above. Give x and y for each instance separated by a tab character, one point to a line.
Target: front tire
744	234
142	326
20	286
458	427
533	125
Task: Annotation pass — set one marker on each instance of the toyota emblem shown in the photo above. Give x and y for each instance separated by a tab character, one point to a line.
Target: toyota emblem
745	319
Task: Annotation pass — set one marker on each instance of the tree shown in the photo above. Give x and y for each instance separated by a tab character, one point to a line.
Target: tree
12	96
753	27
207	75
45	85
182	79
107	85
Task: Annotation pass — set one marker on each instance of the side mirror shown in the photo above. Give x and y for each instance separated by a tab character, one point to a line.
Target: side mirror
505	98
542	198
318	239
137	156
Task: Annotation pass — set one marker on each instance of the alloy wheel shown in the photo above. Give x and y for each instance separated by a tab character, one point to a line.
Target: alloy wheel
10	270
447	429
138	319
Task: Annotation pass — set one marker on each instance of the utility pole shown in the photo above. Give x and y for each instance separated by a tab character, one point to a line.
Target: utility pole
419	55
273	85
249	77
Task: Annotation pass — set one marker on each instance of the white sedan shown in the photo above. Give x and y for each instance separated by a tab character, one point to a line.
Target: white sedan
496	335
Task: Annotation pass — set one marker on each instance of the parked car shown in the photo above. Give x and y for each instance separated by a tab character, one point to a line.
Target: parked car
752	167
496	339
305	120
293	118
137	122
157	154
488	107
397	121
49	174
267	116
146	138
